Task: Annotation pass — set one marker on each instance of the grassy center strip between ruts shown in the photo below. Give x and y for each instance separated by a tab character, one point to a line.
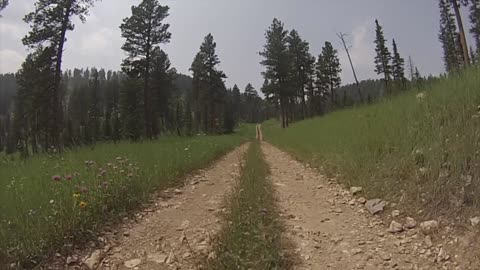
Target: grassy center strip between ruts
48	203
251	234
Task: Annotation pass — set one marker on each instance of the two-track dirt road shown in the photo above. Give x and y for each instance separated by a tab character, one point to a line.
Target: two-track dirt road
330	229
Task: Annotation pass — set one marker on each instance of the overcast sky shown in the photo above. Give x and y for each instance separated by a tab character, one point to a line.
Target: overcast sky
238	27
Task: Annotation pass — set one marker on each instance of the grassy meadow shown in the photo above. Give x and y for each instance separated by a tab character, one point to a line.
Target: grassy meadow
48	201
251	233
422	151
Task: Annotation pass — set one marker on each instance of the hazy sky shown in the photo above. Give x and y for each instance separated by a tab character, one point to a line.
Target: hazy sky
238	27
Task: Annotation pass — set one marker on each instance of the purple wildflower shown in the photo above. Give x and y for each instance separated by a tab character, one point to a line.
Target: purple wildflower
56	178
68	177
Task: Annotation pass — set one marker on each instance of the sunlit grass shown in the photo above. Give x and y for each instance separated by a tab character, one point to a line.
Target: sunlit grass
423	153
48	201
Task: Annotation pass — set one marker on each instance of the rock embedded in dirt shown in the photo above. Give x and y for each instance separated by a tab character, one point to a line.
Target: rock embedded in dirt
475	221
177	191
355	190
157	258
428	241
429	227
132	263
361	200
395	213
395	227
410	223
375	206
171	258
94	260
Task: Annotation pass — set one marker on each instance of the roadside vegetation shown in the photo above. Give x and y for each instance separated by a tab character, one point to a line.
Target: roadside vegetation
50	201
251	233
419	149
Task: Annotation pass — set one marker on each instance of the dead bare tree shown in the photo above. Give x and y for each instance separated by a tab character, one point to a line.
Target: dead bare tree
463	40
342	36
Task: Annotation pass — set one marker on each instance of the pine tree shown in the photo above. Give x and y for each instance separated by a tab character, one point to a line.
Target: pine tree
208	86
188	119
299	51
236	100
277	64
328	71
131	108
162	88
475	23
448	37
383	56
49	24
144	31
398	67
250	97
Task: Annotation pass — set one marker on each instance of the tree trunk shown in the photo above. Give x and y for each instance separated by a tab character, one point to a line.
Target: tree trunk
342	38
56	120
463	40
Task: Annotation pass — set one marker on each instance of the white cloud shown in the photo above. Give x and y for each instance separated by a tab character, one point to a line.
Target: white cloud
10	61
13	30
97	41
362	52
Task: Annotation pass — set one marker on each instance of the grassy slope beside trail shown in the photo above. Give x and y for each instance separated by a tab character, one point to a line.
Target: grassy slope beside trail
251	235
422	153
51	200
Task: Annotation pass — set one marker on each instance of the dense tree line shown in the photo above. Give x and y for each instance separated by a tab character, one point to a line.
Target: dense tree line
299	85
43	108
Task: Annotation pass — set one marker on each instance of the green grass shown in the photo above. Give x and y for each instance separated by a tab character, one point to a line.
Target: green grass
419	153
251	234
38	214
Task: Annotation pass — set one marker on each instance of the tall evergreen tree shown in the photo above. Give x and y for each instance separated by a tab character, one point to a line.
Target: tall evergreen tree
383	56
237	103
144	31
299	51
277	64
448	37
49	24
398	67
328	71
209	87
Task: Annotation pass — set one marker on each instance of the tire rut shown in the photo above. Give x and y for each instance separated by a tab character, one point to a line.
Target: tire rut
176	230
331	230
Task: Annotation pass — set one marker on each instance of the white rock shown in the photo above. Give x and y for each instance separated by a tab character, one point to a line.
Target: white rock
429	227
375	206
428	241
132	263
171	258
395	213
356	190
475	221
410	223
157	258
362	200
94	259
395	227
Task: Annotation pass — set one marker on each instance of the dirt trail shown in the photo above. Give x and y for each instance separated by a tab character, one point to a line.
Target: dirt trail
174	233
333	231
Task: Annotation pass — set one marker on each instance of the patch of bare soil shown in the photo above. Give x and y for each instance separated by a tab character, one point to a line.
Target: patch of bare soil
174	233
332	229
